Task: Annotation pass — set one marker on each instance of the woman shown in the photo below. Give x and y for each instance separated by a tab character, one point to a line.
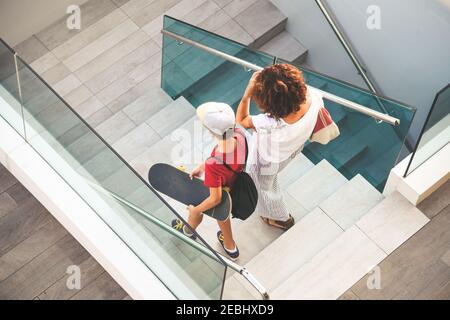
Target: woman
289	114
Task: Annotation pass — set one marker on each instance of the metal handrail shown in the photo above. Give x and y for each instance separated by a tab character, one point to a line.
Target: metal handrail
329	96
241	270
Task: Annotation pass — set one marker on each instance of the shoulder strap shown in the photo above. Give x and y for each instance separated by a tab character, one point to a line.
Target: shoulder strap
225	164
246	155
246	144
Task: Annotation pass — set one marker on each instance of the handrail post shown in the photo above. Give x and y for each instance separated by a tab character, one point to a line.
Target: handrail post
19	87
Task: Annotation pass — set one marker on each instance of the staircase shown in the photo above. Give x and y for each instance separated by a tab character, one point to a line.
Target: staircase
343	227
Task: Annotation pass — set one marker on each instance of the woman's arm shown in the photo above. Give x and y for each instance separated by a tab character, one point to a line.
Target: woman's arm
214	199
243	111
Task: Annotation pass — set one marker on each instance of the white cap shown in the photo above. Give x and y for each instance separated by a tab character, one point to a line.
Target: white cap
217	117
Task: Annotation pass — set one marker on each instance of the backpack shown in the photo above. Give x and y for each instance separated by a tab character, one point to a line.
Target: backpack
244	194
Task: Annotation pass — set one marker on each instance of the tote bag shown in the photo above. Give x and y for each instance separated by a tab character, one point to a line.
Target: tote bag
325	130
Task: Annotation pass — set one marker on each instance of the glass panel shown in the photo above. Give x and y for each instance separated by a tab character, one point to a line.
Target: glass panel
200	76
436	132
365	146
10	106
96	173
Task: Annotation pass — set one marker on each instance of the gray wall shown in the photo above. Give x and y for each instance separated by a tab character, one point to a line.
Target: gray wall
20	19
409	58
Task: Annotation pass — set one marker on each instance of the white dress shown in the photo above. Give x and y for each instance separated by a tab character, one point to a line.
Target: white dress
272	146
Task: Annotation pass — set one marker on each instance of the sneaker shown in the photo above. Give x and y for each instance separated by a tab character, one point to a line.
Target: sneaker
233	255
178	225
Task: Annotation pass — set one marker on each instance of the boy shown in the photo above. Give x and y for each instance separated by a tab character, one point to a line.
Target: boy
219	120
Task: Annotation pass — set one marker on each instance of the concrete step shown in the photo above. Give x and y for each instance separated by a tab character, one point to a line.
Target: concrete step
353	150
171	117
273	265
263	21
354	199
253	235
334	269
286	47
137	141
393	221
377	172
176	149
316	185
147	105
294	170
235	290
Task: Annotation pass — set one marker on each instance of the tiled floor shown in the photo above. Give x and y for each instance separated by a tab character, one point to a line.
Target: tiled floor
420	268
36	251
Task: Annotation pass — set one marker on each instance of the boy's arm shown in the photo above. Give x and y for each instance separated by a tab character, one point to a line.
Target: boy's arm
214	199
197	171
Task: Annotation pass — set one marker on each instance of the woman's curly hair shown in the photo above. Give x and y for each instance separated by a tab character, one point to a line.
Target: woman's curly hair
279	90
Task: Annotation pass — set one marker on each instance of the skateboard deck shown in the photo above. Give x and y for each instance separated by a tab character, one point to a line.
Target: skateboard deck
177	184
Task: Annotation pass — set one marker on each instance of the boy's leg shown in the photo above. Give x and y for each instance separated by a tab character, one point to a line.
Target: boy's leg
194	220
225	227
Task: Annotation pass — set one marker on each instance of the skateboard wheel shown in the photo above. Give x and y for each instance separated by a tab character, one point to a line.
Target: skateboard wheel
181	168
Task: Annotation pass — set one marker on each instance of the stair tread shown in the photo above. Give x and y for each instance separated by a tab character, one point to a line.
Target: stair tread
147	105
285	46
316	185
393	221
294	170
273	265
376	171
252	236
295	209
354	199
171	117
334	269
235	290
232	30
342	155
136	141
262	21
168	150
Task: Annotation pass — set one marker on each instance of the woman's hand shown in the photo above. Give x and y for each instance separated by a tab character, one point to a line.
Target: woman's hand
197	171
251	86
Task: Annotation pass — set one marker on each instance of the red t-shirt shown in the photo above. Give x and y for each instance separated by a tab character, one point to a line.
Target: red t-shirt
216	174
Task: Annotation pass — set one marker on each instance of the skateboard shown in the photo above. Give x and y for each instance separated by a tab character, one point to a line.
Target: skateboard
177	184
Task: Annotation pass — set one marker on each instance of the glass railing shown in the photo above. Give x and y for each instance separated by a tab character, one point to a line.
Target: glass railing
9	89
200	76
124	201
435	134
365	146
